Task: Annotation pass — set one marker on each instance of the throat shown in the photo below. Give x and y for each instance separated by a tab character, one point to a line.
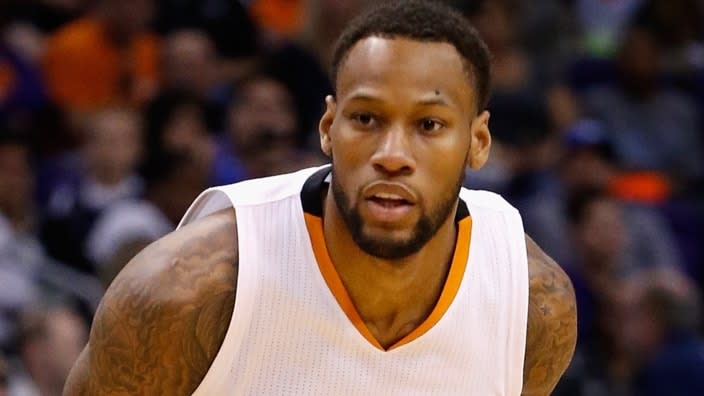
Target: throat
390	332
392	307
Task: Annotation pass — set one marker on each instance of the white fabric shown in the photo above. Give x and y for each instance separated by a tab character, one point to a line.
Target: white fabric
289	336
128	221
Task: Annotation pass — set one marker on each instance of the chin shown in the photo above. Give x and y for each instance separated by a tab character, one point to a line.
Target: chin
387	244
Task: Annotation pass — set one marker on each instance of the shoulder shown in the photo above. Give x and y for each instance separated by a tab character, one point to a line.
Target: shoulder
182	266
552	323
162	320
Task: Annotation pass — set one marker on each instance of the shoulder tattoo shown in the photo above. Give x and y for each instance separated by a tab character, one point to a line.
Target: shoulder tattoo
164	318
552	323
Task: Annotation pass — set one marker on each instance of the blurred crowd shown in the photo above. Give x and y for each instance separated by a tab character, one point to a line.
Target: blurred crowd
115	114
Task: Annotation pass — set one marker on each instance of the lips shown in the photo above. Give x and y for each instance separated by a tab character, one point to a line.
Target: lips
389	202
389	191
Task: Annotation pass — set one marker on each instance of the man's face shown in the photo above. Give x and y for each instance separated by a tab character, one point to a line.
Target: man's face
400	134
190	61
113	146
263	118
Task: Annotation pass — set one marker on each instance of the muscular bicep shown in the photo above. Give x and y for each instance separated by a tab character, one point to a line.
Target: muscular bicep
164	317
552	324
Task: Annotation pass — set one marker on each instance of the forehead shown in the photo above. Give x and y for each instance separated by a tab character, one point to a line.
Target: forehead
400	63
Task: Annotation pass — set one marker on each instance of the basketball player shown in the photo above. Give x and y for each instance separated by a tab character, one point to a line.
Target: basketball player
376	275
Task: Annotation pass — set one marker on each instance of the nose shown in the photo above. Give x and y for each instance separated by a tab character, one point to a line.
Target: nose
394	154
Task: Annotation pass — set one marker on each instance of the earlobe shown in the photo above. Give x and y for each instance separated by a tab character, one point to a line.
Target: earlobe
325	124
480	145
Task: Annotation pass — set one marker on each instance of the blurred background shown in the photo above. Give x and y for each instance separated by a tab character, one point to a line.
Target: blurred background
115	114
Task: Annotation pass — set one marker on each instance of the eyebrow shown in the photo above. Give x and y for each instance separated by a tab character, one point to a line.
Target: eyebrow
435	100
364	97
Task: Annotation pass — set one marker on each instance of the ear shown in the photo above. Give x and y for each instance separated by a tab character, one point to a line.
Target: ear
480	144
326	123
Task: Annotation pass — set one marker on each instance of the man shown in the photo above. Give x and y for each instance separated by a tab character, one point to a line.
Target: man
107	57
47	326
366	277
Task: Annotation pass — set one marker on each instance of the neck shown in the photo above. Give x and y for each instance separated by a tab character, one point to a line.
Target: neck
391	296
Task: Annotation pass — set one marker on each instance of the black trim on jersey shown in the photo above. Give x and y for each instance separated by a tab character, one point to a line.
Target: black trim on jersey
311	193
312	202
462	211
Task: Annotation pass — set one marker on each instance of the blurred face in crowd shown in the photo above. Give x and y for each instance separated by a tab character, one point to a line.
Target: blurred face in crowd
127	17
113	145
263	122
66	337
601	235
639	61
50	354
185	129
495	23
403	124
658	302
586	168
16	180
189	62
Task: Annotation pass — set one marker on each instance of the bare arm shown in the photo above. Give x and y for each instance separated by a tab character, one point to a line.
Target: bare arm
552	324
163	319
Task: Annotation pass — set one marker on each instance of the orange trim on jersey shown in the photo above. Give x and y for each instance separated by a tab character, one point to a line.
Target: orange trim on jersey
452	284
315	229
332	278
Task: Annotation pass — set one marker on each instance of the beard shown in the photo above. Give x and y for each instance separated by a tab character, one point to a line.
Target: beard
395	248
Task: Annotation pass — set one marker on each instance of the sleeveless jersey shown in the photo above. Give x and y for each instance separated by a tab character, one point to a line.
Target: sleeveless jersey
295	331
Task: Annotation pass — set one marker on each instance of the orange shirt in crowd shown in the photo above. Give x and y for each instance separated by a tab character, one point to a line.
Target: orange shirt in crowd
84	70
280	16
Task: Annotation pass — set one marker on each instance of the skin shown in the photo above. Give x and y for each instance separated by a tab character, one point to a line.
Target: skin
173	302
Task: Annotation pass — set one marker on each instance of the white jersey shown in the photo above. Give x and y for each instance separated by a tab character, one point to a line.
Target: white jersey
295	331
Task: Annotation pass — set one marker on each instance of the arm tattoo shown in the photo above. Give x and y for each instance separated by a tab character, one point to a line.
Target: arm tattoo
552	324
163	320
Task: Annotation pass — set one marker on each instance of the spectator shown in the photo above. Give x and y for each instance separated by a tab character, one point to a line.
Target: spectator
19	250
652	128
227	24
590	163
676	24
664	331
25	271
280	17
521	167
107	173
50	340
496	21
602	366
262	127
173	180
105	58
190	63
177	122
324	21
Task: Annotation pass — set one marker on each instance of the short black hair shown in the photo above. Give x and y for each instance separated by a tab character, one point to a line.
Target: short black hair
422	20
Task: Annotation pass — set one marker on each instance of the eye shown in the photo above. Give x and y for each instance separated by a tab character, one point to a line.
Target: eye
365	120
431	125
